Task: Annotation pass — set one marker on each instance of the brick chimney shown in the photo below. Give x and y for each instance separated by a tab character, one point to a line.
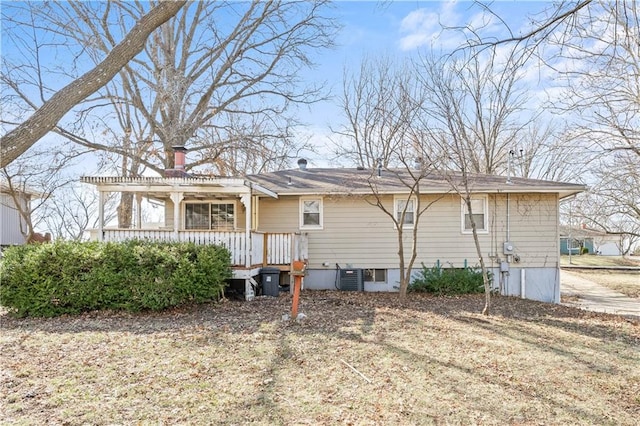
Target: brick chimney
179	156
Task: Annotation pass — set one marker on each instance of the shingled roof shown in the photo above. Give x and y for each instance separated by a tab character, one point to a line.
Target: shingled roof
358	181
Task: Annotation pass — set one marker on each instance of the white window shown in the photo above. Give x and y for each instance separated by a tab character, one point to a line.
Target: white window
311	213
479	206
211	216
375	275
409	208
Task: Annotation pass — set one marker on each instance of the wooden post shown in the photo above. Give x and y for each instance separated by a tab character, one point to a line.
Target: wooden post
100	215
139	210
265	245
298	272
246	201
176	198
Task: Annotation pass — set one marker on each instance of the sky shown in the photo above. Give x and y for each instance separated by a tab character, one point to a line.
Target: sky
400	29
394	28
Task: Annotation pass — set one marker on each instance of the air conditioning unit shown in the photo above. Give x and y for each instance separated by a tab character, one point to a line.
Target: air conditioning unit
351	280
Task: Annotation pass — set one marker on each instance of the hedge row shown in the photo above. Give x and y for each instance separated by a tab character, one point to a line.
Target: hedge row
71	277
448	281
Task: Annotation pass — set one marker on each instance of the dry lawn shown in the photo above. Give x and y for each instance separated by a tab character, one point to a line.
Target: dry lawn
625	282
593	260
355	359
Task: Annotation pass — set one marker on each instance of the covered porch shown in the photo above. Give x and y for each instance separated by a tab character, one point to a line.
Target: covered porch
219	211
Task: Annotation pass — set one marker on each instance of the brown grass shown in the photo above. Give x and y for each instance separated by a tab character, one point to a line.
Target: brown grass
593	260
356	359
625	282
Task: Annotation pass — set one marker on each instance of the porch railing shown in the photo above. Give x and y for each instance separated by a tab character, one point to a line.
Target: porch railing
262	249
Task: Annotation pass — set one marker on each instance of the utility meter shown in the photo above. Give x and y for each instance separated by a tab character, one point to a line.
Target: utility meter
508	248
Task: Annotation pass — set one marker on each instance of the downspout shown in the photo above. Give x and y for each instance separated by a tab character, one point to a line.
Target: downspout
508	220
507	256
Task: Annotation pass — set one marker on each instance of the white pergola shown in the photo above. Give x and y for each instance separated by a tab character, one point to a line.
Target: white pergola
178	189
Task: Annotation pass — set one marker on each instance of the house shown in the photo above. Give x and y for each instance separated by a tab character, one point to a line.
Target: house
591	241
325	217
13	226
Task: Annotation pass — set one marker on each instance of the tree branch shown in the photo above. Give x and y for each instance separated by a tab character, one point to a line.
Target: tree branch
47	116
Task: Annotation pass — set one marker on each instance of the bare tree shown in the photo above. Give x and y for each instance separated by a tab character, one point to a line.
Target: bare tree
476	95
220	86
39	173
204	74
72	211
557	18
18	140
381	103
612	204
472	116
601	100
377	119
594	48
543	151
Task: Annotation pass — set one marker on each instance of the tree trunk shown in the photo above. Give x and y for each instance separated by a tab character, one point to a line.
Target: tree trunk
17	141
125	210
404	281
483	268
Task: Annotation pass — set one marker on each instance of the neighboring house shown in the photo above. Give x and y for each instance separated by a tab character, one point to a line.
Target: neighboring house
12	223
596	242
324	216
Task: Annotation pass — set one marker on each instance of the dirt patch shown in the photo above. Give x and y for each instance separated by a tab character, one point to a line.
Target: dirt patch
356	359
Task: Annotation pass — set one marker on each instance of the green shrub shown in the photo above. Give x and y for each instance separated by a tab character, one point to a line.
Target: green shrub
71	277
448	281
584	250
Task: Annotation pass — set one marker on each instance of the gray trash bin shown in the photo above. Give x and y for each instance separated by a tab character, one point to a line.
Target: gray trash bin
270	278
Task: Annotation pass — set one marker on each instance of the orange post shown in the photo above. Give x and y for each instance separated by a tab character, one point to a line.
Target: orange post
296	296
298	272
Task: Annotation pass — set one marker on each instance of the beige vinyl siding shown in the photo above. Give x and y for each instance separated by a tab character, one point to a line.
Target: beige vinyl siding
534	229
358	234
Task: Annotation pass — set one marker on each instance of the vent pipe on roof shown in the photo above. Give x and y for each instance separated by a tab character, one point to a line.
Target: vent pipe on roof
509	158
179	156
417	163
302	164
379	167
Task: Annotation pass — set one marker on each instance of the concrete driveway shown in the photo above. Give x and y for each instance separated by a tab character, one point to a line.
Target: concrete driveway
591	296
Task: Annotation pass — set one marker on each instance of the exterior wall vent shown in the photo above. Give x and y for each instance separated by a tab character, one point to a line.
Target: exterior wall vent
351	280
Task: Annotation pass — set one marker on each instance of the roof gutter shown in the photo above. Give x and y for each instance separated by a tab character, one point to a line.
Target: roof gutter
260	188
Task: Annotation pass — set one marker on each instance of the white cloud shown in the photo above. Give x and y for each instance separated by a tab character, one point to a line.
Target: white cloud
425	27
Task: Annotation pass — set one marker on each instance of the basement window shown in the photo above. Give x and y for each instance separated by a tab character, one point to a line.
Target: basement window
375	275
218	216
